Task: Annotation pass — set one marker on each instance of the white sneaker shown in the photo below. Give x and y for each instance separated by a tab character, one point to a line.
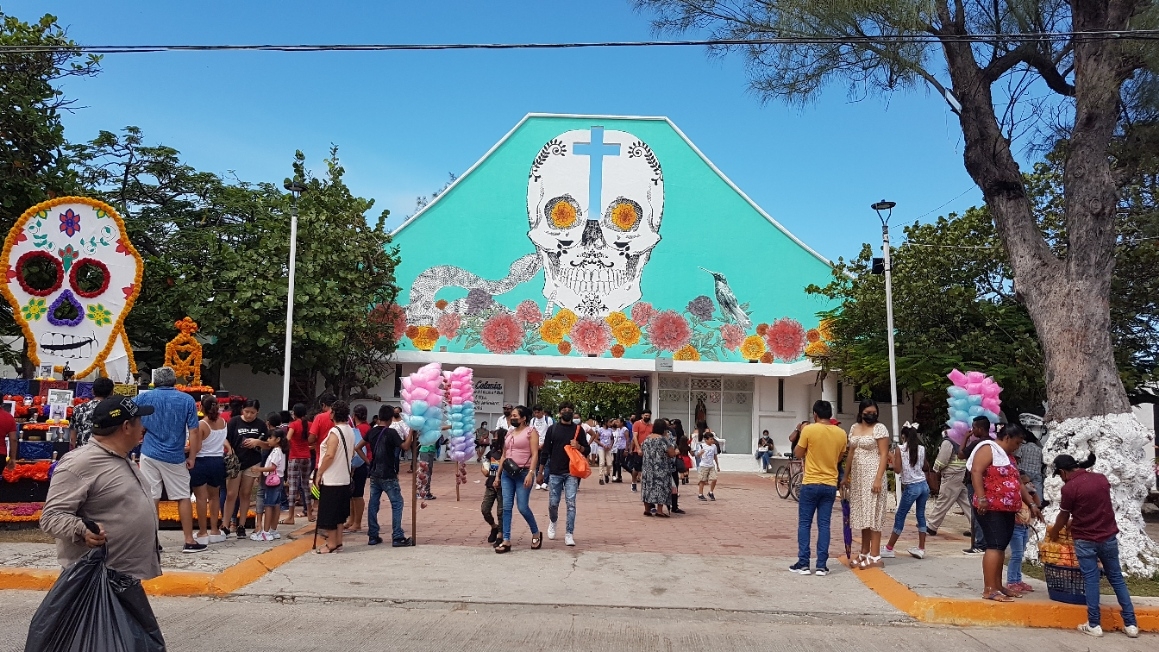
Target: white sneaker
567	540
1132	631
258	536
887	553
917	553
551	531
202	540
273	535
218	538
1096	631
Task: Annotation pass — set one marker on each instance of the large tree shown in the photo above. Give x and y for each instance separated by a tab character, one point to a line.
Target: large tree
33	162
999	75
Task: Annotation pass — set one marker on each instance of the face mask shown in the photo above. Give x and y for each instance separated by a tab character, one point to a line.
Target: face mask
566	415
515	422
869	418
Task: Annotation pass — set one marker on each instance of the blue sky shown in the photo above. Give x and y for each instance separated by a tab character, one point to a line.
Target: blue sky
404	120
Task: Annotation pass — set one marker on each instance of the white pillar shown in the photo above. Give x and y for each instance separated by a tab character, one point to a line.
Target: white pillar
829	390
654	394
522	387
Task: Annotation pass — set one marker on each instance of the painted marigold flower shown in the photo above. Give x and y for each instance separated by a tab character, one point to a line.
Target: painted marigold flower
767	357
617	350
818	349
825	328
753	347
425	338
686	352
669	331
551	331
701	307
528	312
762	329
502	333
813	335
591	336
625	216
626	333
732	335
412	331
566	318
642	313
786	339
449	324
564	347
616	318
441	304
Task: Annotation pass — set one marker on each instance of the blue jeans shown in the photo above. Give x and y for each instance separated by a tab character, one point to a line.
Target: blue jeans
815	498
917	492
979	540
1017	548
390	487
1090	553
568	486
514	492
765	457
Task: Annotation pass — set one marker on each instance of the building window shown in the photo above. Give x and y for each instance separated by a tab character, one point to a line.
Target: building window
780	395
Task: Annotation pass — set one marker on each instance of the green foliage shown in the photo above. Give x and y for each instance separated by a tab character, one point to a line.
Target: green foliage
33	165
602	400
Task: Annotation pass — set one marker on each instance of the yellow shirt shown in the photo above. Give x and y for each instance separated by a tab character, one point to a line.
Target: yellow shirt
824	445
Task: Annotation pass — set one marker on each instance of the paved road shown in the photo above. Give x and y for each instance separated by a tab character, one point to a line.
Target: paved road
196	624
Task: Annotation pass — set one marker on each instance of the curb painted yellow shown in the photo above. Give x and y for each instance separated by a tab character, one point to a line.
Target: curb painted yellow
959	611
183	583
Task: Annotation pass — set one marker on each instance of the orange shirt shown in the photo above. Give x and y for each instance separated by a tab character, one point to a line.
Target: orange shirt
641	430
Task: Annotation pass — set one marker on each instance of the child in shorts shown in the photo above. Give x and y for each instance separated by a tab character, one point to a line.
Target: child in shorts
493	493
273	473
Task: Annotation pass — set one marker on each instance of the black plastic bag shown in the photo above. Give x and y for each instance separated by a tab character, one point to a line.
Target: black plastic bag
92	608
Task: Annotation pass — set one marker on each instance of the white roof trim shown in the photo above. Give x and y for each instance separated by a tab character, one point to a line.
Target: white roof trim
607	365
687	141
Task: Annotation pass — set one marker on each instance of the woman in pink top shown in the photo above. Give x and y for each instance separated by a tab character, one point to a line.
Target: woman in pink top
521	446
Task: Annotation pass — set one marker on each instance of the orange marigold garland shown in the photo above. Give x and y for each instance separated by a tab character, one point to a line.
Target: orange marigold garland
183	352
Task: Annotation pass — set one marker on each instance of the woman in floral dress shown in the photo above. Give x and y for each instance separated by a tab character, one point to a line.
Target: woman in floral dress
864	482
656	476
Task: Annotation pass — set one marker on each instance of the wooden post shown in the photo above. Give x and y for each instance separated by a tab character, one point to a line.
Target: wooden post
458	470
414	492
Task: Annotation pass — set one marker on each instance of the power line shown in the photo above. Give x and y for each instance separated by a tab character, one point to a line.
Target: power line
1030	37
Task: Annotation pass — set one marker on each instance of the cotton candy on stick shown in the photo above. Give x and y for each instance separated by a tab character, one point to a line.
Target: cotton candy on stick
972	394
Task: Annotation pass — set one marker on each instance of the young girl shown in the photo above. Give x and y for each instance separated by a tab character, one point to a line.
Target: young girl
275	467
208	474
909	461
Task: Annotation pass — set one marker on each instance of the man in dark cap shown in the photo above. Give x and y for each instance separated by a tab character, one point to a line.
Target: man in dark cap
1086	506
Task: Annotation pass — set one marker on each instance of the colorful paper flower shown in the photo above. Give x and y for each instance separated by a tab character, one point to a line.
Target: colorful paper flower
478	300
449	324
67	255
551	331
732	335
502	334
591	336
69	223
669	330
767	357
686	352
818	349
617	350
626	332
566	318
642	313
528	312
34	309
425	337
564	347
786	339
701	307
100	315
616	318
753	347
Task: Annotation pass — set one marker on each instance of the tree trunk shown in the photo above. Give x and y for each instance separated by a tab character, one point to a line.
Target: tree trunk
1068	298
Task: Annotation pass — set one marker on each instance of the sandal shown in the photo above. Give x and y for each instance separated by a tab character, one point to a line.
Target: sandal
872	561
537	541
502	548
663	514
327	550
861	562
648	513
997	596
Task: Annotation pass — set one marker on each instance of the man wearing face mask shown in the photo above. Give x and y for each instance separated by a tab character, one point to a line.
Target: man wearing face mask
559	436
504	422
542	423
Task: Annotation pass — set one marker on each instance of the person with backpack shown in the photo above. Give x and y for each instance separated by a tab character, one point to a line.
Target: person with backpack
952	491
560	480
384	446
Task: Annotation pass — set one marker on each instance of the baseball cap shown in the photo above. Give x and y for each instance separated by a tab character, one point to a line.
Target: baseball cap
115	410
508	406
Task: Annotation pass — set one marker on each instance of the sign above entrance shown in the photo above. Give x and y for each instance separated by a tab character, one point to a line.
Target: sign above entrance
589	273
663	364
488	394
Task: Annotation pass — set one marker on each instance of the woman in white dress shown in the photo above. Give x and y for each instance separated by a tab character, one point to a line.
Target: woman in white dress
865	480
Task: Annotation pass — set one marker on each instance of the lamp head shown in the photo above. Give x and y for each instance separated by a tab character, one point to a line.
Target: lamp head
295	187
883	206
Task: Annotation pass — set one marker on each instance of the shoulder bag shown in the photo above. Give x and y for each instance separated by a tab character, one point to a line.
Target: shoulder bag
578	465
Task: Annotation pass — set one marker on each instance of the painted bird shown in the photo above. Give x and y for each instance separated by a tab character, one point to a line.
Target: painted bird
729	306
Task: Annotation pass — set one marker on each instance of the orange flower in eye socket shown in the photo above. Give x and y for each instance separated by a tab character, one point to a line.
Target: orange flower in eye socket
563	215
625	216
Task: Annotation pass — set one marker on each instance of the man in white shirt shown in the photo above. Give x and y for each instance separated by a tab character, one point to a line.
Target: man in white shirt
501	422
541	422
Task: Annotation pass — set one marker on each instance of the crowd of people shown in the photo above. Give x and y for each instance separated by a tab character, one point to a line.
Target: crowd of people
995	475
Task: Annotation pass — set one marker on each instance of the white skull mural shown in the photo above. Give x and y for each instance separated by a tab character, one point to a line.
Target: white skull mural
71	276
595	200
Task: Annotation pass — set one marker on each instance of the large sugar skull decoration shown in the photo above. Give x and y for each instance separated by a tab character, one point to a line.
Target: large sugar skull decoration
72	276
595	199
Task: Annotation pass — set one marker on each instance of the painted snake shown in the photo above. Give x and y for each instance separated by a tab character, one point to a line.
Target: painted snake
422	309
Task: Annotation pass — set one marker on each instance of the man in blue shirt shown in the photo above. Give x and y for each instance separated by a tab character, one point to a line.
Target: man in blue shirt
163	459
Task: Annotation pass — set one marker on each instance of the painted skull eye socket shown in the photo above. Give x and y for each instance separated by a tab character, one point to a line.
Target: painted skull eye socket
39	273
562	212
89	278
623	215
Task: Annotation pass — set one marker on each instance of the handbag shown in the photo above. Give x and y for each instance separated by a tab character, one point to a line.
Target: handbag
681	465
578	465
273	479
510	467
232	466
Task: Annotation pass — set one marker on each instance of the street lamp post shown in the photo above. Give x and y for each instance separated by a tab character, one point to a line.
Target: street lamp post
884	211
296	189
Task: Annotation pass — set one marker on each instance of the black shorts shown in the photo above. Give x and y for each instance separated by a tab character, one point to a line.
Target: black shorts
207	471
997	529
358	481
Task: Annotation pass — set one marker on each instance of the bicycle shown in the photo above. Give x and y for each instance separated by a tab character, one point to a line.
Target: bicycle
788	479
